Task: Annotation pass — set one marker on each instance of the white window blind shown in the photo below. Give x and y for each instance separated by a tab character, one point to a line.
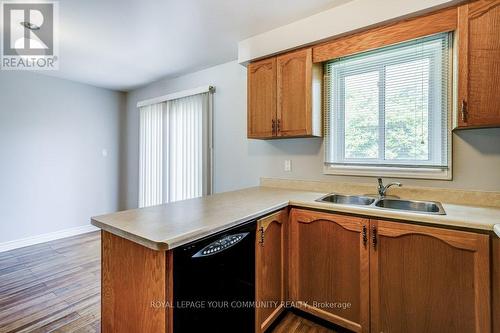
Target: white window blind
389	107
175	150
186	144
150	155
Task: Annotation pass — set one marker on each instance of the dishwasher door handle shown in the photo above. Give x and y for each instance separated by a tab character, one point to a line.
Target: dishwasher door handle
220	245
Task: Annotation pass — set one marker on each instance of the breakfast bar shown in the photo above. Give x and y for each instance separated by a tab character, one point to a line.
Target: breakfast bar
139	249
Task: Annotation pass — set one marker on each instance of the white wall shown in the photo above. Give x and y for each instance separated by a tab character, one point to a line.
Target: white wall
240	162
52	172
232	167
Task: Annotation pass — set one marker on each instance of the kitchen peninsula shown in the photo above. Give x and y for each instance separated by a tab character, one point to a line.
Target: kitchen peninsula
296	230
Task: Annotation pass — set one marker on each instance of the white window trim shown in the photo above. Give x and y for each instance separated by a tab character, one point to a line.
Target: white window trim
408	172
384	171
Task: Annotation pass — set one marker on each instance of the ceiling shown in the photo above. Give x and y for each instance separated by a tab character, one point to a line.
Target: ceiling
124	44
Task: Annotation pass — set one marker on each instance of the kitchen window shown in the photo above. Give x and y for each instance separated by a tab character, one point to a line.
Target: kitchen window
388	111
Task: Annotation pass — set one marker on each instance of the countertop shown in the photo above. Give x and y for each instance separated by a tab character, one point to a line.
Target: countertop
496	228
167	226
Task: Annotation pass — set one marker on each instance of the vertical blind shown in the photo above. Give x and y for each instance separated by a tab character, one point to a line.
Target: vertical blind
186	155
175	150
390	106
150	155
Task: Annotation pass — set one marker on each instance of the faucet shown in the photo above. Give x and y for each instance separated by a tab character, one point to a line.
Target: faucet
382	190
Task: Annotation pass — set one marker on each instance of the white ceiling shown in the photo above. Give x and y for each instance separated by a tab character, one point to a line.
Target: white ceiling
124	44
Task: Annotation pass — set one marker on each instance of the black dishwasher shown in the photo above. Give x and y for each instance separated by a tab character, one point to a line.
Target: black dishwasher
214	283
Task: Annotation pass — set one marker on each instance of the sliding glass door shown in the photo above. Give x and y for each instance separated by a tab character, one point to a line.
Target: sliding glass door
175	150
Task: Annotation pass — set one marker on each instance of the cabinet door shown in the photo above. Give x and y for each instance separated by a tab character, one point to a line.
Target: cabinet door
270	269
261	98
425	279
328	272
479	64
495	282
294	81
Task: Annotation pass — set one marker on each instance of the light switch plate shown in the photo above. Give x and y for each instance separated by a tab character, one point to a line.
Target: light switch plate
288	165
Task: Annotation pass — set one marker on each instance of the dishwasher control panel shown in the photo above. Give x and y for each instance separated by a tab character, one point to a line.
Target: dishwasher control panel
220	245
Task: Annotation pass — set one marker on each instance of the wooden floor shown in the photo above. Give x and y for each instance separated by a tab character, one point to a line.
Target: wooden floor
55	286
292	323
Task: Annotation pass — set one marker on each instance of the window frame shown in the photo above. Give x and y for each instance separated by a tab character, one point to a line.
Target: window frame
400	170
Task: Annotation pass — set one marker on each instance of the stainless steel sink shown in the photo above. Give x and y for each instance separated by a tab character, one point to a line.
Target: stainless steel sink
425	207
347	199
428	207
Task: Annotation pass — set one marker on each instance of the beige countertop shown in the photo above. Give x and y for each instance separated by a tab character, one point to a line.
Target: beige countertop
174	224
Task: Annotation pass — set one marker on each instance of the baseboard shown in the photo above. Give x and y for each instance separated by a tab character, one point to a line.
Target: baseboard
18	243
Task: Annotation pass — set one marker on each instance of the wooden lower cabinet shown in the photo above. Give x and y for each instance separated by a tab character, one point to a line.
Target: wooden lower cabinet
425	279
270	261
136	286
365	275
495	283
397	277
329	267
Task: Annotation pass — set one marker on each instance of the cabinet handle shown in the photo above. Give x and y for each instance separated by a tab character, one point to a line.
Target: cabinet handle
278	126
273	126
261	240
463	111
374	237
365	237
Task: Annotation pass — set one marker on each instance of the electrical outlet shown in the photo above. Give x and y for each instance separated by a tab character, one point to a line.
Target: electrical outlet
288	165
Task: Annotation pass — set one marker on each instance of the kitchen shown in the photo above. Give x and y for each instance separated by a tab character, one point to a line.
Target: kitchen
341	179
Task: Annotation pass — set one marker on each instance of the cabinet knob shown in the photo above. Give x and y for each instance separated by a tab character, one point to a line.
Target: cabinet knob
463	111
261	240
365	237
278	125
273	126
374	237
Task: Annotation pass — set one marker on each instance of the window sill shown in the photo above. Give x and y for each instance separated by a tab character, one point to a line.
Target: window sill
384	171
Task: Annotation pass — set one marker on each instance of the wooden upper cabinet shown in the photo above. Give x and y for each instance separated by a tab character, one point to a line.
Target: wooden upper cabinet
284	96
270	269
329	267
479	64
295	94
261	98
425	279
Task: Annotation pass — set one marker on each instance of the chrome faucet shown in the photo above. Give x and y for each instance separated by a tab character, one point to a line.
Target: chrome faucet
382	190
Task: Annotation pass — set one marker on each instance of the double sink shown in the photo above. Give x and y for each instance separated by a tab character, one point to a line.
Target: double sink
425	207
